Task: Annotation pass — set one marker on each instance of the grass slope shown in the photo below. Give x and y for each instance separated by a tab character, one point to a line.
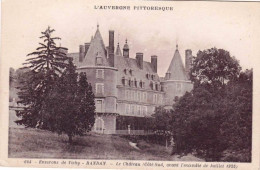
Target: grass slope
34	143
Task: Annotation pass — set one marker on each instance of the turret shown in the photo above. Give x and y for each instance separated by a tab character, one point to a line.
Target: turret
126	50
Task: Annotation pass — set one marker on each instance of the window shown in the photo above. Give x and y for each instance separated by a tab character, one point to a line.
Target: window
144	97
139	110
151	85
126	94
99	125
129	82
132	82
135	83
100	73
127	109
153	76
133	109
99	105
144	110
156	87
160	99
155	98
99	61
138	96
140	83
178	88
131	71
133	95
99	88
129	95
123	81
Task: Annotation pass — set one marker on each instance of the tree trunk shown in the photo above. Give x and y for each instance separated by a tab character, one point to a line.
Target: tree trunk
70	139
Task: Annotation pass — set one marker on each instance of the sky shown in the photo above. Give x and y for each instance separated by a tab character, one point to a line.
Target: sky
233	26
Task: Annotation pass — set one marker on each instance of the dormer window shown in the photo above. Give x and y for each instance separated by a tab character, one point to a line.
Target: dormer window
162	88
99	60
151	85
131	72
148	76
135	83
123	81
153	76
129	82
157	87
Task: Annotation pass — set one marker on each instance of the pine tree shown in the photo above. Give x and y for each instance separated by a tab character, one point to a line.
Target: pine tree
64	106
44	70
72	103
85	99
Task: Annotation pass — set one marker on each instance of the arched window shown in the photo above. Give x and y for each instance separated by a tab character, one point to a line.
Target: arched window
99	124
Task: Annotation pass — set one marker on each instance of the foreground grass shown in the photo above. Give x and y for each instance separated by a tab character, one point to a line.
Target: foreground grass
34	143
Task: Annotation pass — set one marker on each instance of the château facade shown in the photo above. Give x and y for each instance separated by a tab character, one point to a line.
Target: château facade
127	89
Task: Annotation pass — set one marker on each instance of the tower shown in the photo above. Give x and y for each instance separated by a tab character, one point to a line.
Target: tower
126	50
176	81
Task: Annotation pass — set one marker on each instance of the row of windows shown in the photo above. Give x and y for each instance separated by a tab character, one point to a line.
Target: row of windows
131	82
142	96
157	99
138	110
156	86
130	71
136	95
150	76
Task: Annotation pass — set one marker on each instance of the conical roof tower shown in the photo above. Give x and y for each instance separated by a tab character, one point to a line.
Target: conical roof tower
118	50
96	50
176	70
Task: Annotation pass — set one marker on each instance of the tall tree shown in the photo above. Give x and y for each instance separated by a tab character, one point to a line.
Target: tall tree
45	68
214	120
214	67
64	108
86	102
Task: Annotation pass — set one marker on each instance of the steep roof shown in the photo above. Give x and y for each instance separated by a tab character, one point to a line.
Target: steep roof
176	68
96	48
139	74
118	50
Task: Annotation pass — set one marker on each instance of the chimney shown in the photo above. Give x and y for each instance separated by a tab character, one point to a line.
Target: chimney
86	47
81	53
111	41
139	60
188	60
154	62
111	49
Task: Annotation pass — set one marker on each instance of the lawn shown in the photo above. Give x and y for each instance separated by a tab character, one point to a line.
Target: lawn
34	143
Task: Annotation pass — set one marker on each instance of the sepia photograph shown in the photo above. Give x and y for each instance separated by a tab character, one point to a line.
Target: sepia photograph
130	84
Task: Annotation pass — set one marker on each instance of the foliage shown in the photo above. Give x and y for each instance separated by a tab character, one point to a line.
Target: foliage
214	67
35	87
72	104
162	121
54	96
214	120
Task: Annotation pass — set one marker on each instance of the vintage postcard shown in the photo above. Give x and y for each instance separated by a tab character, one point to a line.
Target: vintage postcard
130	84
